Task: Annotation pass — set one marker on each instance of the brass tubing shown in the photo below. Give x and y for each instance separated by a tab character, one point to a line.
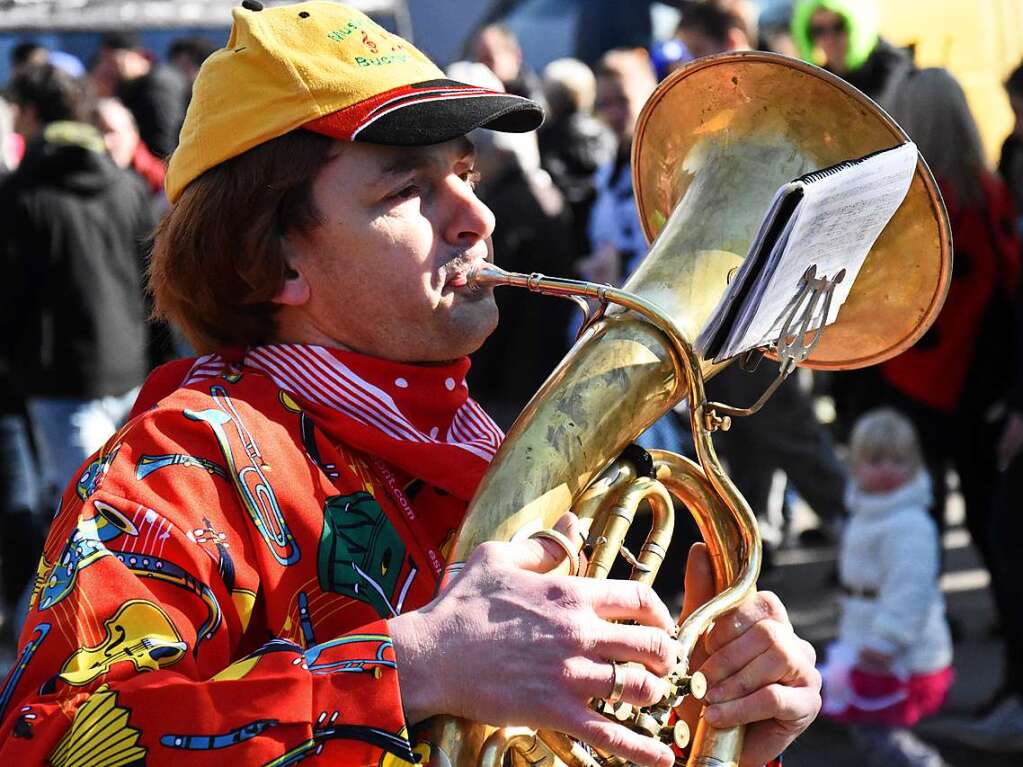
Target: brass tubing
567	750
685	480
727	543
522	741
662	527
491	275
608	486
608	535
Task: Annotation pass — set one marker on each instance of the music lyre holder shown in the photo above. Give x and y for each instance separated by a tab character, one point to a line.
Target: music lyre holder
802	327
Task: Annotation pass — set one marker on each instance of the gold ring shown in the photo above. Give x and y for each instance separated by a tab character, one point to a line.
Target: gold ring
617	684
564	544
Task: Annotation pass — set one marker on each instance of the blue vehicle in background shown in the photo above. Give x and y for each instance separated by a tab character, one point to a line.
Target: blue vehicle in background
76	27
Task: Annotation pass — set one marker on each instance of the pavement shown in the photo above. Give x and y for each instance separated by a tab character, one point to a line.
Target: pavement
804	579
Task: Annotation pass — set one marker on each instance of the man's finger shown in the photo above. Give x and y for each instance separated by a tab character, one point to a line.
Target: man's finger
764	605
615	600
765	636
653	647
533	554
590	727
637	685
775	701
785	663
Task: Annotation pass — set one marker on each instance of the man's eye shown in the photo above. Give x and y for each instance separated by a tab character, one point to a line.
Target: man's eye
472	178
407	192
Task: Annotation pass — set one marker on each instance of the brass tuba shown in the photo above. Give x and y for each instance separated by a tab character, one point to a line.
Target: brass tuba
711	147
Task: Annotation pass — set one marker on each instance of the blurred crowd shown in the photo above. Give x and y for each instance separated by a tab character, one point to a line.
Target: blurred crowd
83	153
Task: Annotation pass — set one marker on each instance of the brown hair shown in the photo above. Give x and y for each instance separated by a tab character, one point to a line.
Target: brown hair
714	18
218	255
931	107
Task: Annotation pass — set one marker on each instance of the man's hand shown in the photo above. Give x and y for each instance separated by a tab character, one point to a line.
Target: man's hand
510	642
759	673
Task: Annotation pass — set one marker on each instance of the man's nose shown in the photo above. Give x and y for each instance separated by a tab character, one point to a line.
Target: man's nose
470	220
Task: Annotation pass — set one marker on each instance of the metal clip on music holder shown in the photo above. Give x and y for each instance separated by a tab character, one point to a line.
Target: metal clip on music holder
799	336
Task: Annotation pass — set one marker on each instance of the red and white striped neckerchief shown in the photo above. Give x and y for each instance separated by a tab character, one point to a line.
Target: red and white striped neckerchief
416	418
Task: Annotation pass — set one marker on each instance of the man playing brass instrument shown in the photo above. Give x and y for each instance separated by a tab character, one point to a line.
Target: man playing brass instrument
246	571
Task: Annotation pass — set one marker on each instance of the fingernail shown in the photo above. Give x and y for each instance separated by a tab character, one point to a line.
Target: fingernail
713	715
714	695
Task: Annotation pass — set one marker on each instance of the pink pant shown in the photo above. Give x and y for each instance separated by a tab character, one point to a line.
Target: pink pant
924	695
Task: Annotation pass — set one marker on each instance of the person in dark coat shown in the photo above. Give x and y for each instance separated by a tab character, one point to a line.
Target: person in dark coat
19	494
187	54
72	233
156	94
574	144
1010	168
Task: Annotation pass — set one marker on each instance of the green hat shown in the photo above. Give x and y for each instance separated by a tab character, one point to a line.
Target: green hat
861	21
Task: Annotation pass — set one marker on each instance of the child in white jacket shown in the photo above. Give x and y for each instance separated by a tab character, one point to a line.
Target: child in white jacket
891	664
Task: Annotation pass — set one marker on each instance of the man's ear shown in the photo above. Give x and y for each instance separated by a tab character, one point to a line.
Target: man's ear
295	290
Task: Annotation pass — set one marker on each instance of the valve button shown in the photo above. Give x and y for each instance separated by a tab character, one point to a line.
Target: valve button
680	734
698	685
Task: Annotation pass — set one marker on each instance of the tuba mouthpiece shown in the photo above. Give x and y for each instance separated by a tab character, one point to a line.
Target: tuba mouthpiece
484	276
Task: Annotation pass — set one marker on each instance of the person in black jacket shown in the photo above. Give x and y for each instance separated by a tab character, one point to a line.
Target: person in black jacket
574	144
19	495
72	228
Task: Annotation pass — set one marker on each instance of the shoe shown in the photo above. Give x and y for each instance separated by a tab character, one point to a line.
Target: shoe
1001	731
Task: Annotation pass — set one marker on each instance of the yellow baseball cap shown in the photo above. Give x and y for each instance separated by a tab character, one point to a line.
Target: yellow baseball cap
326	67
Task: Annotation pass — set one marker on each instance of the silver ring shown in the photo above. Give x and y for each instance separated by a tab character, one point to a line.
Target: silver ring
617	684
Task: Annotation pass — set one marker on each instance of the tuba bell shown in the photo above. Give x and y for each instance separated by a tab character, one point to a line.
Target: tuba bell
711	147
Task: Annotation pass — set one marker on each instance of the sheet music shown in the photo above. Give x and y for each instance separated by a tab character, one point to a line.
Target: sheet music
835	226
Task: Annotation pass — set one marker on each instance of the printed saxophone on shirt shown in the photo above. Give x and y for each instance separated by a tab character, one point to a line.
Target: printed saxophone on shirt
216	582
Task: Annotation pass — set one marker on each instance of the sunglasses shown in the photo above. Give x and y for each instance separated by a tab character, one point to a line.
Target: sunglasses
818	31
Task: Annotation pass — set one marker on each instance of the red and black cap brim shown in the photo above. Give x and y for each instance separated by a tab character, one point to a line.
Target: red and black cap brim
430	113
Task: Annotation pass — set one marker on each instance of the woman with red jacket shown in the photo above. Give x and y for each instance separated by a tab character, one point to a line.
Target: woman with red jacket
950	381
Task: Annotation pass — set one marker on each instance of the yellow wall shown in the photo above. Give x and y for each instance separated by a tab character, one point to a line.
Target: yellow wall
980	41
